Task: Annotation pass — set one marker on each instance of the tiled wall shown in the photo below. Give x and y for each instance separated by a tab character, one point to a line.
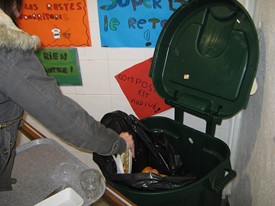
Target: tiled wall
100	92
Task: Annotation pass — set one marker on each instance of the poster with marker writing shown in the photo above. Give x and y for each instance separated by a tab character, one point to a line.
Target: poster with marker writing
139	90
133	23
58	23
62	64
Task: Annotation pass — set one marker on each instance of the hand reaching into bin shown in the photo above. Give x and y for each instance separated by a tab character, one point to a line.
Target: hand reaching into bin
129	142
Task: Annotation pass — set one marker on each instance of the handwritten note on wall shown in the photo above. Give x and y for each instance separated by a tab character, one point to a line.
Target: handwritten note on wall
58	23
139	90
133	23
63	64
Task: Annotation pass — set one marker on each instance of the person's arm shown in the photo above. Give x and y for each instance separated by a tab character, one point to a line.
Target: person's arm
40	96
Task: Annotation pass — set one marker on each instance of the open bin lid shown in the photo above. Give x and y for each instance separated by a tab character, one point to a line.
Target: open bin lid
206	58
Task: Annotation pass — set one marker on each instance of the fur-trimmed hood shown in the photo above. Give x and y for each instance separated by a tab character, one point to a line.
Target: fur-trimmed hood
11	37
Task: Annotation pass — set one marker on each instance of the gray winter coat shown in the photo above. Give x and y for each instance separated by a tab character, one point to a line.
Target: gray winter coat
24	86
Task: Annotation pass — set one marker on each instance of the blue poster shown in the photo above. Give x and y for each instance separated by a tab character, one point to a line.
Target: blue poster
133	23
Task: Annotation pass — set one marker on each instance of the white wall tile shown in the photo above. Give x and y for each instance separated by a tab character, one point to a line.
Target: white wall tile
92	10
96	105
120	102
95	78
68	89
95	35
149	52
92	53
126	53
222	134
22	139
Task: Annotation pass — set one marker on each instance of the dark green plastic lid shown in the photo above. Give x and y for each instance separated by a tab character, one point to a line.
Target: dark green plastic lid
206	58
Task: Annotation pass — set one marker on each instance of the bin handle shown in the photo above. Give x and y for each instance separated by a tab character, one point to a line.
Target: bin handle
220	185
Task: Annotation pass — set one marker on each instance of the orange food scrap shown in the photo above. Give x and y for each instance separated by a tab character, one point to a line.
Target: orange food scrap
150	169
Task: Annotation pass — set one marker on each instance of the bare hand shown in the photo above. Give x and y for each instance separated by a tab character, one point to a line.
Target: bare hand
129	142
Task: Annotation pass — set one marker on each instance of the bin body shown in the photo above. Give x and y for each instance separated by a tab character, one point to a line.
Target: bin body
202	154
204	63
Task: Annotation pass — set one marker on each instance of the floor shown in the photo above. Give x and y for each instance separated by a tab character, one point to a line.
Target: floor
101	202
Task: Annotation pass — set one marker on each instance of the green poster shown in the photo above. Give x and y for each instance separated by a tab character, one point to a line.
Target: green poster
63	64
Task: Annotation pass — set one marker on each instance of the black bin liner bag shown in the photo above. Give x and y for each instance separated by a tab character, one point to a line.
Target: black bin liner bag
151	149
